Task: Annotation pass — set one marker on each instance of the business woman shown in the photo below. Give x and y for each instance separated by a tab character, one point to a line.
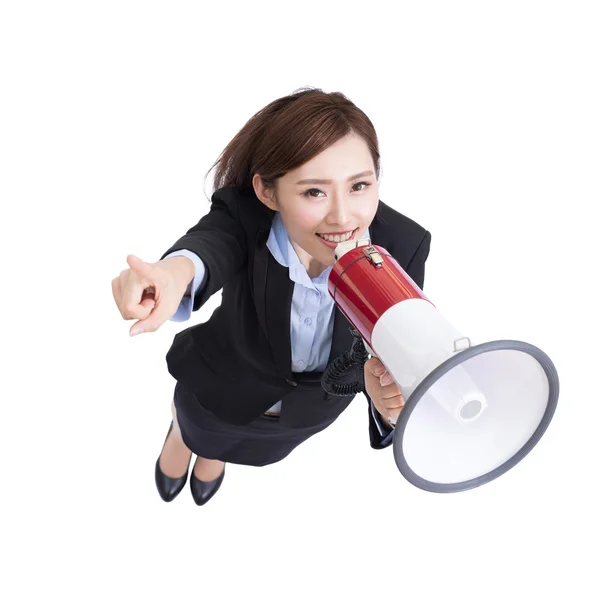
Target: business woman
299	177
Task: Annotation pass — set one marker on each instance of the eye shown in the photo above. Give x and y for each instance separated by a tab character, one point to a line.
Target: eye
308	194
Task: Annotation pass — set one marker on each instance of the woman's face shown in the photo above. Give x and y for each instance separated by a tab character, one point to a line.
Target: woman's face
344	199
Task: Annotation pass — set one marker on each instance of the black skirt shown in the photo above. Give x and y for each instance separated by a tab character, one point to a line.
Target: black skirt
262	442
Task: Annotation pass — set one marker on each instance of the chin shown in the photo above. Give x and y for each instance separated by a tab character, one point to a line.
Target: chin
329	258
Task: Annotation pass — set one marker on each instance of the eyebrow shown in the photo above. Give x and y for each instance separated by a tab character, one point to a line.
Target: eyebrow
362	174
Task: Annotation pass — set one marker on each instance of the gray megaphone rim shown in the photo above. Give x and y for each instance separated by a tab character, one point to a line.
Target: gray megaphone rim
436	374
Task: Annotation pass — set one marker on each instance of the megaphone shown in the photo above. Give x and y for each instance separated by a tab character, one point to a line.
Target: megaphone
471	412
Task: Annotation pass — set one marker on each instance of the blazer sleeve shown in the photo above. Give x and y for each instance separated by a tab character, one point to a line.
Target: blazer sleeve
184	311
219	240
380	433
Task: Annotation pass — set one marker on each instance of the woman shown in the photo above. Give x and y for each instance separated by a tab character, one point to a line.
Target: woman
300	176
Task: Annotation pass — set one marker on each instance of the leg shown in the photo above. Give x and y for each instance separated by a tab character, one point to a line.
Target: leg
175	455
206	469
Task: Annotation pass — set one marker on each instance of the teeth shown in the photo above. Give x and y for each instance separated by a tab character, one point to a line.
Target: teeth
336	238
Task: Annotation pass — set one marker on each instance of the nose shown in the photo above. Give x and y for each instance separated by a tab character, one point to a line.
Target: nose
339	215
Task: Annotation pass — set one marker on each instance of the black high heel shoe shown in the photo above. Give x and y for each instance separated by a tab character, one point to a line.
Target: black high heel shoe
169	487
203	491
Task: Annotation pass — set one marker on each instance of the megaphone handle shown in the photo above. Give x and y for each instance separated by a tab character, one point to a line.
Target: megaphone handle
390	421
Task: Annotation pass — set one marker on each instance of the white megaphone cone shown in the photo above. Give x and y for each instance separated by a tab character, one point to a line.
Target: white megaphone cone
471	412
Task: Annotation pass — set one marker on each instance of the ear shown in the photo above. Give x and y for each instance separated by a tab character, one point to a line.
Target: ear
264	194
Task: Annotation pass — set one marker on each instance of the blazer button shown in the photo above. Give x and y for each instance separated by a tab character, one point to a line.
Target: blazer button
294	383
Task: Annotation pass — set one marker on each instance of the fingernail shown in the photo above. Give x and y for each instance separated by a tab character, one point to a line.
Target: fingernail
135	332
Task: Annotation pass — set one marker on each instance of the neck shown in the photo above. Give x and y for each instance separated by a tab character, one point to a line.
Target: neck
313	267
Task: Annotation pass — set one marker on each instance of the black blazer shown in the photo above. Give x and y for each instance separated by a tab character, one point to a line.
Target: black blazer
238	363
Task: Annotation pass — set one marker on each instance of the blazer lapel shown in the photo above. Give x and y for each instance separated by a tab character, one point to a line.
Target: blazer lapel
273	303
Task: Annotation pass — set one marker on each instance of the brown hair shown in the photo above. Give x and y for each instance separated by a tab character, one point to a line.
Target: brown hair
289	132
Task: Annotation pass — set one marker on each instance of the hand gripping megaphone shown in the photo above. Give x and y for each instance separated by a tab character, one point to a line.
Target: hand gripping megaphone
471	412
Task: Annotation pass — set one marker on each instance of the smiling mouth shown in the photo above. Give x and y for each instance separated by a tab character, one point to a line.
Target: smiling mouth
340	237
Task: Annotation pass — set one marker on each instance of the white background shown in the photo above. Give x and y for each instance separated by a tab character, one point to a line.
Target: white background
112	113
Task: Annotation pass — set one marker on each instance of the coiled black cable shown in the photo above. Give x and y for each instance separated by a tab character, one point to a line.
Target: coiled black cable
344	376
